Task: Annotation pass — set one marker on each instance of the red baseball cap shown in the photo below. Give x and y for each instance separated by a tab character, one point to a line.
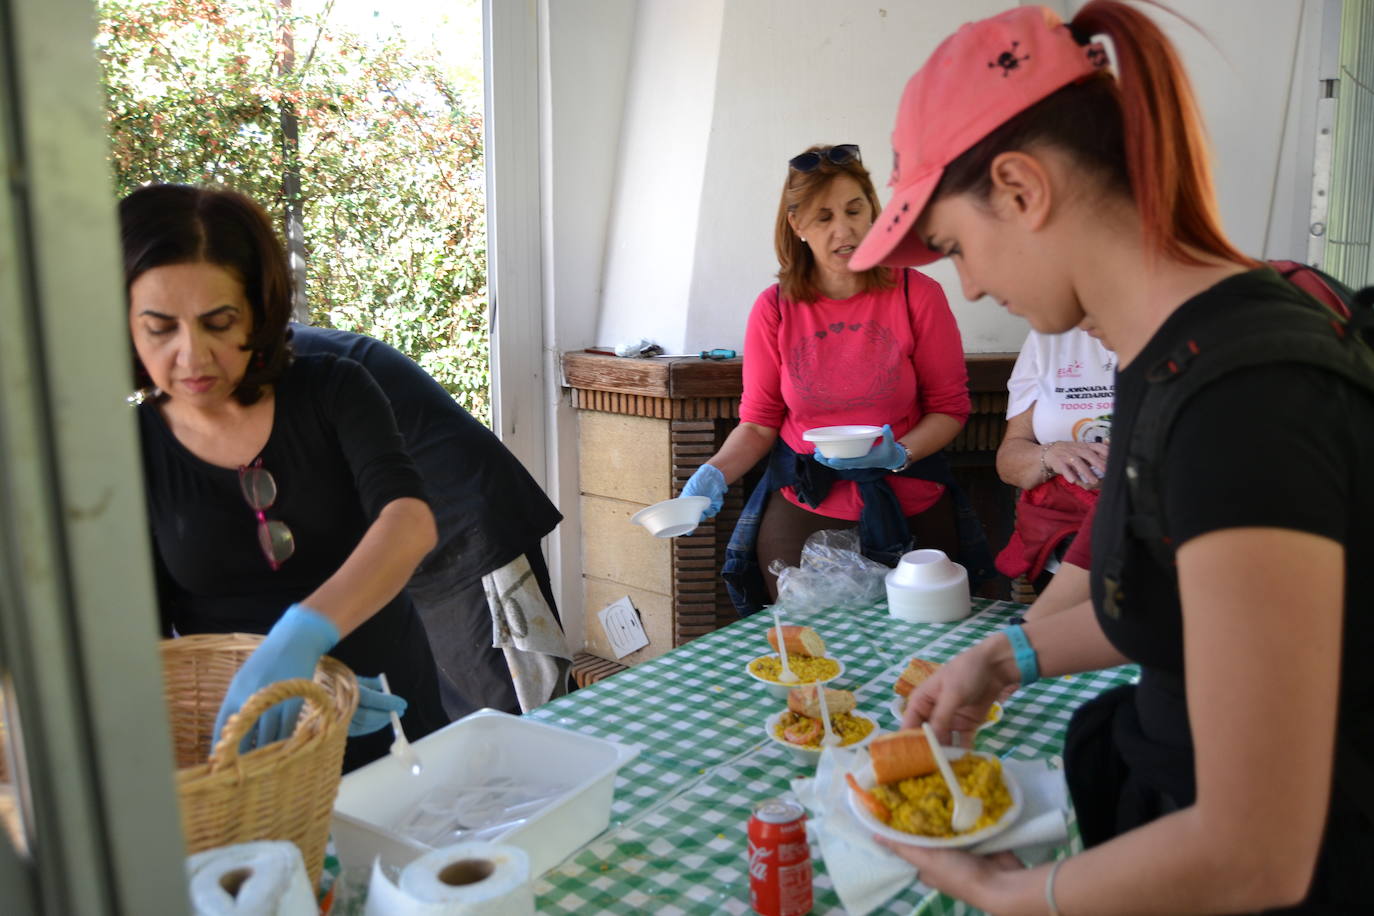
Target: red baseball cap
978	79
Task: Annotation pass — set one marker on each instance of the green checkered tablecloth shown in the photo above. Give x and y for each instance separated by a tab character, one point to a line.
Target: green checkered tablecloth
676	843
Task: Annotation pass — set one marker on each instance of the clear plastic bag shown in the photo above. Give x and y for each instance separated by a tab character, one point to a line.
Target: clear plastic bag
833	574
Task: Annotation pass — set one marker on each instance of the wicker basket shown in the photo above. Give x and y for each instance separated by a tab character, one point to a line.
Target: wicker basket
284	791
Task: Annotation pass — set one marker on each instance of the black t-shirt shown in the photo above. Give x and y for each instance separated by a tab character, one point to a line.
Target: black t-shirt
1281	446
488	508
337	460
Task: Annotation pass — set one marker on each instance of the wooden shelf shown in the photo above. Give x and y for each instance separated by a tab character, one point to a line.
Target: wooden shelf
677	377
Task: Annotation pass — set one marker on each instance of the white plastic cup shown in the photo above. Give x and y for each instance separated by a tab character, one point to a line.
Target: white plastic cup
928	587
924	567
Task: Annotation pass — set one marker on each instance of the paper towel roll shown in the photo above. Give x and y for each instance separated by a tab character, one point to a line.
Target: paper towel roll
465	879
250	879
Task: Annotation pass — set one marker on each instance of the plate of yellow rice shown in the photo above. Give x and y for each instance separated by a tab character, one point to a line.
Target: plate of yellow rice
766	668
921	806
854	728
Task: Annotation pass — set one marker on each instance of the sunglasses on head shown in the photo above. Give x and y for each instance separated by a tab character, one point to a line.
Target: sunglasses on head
838	155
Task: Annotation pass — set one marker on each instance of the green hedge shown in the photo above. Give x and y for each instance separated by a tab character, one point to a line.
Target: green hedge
389	156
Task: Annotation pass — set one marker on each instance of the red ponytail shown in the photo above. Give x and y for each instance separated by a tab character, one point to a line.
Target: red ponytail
1162	135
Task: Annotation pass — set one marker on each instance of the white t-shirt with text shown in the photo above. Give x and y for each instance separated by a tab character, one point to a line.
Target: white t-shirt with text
1071	380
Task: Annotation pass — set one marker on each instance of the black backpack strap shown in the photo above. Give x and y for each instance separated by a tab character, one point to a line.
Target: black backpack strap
1275	333
1356	306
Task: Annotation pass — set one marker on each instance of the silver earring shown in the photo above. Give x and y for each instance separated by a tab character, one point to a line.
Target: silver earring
802	237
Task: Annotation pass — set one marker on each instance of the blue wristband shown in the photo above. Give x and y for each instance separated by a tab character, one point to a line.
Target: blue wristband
1026	660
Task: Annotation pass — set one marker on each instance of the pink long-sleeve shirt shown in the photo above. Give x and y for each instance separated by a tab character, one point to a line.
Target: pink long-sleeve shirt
890	356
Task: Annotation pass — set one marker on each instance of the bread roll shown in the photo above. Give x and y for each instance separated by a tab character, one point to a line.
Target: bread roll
799	641
915	674
900	755
803	701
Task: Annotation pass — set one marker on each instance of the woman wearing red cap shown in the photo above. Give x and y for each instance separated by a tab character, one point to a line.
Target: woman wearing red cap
828	346
1228	779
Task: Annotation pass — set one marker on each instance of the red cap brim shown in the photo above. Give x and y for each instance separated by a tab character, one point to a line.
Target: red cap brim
893	241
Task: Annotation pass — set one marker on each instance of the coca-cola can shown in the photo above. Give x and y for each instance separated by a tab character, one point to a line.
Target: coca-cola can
779	859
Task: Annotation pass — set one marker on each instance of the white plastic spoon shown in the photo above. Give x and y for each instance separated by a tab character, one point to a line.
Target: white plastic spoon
967	809
786	677
831	739
400	748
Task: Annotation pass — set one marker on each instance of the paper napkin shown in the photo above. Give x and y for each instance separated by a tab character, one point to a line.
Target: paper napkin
865	875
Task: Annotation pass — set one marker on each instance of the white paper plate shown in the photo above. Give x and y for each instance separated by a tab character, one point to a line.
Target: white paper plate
864	778
780	690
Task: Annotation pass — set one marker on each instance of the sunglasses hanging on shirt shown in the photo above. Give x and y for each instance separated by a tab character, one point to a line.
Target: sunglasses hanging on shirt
260	491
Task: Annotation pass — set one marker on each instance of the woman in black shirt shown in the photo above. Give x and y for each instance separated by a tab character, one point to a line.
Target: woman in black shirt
1064	187
280	495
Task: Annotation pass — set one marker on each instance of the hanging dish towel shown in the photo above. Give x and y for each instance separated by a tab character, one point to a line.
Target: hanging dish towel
524	627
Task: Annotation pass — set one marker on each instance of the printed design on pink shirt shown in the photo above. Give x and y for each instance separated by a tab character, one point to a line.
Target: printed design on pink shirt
846	366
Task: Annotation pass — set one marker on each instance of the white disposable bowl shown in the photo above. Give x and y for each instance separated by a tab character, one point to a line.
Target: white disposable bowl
807	755
672	517
864	777
780	690
843	441
942	601
924	567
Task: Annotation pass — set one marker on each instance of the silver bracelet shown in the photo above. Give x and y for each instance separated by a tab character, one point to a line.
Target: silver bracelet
1049	888
905	464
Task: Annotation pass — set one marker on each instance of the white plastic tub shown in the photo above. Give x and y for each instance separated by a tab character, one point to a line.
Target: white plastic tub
374	799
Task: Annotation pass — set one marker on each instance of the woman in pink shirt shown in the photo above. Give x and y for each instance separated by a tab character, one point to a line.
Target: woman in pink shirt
827	346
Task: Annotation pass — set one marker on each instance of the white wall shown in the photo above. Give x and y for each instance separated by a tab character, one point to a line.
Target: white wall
1253	70
752	84
664	160
584	68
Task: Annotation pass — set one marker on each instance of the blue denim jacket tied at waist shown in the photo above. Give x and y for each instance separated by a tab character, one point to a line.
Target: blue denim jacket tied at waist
883	532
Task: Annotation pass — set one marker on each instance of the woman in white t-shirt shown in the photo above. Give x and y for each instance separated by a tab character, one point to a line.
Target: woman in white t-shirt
1059	416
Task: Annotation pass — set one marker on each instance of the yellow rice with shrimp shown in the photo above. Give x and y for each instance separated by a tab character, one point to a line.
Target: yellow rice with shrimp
850	728
922	805
808	669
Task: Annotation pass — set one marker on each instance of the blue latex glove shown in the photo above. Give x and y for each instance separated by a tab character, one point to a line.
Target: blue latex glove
292	648
886	454
374	707
708	481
